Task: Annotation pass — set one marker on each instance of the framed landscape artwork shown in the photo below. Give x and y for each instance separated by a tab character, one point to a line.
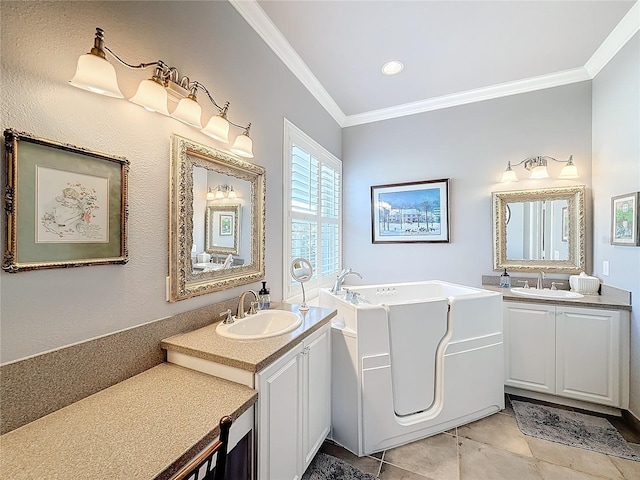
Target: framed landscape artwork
625	220
414	212
66	206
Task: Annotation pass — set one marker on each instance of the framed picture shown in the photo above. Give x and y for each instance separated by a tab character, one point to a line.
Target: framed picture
66	206
226	225
415	212
625	220
565	224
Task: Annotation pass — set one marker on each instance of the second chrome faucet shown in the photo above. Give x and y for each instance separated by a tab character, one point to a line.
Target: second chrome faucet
337	287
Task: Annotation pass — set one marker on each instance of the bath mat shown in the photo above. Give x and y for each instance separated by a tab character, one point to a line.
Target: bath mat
326	467
571	428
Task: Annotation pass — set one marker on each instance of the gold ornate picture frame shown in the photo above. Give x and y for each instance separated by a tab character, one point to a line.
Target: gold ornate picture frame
66	206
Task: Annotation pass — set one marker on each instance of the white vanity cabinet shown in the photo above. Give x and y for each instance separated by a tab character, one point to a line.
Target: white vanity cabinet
294	408
576	353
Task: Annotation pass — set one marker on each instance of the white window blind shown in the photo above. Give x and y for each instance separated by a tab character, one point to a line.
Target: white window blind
312	211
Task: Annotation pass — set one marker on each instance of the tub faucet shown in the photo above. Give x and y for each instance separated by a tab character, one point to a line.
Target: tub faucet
337	287
241	312
541	276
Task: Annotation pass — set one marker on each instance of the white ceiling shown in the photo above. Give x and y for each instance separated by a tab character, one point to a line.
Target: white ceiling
454	52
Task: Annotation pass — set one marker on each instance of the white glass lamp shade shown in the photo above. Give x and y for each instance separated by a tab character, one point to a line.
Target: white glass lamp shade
97	75
509	176
211	195
231	193
152	96
243	146
219	193
539	172
188	111
217	128
569	171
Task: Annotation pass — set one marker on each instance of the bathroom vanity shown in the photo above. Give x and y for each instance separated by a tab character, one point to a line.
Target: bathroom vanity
573	351
292	374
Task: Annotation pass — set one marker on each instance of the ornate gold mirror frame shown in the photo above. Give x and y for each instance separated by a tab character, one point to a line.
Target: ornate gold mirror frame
576	229
184	282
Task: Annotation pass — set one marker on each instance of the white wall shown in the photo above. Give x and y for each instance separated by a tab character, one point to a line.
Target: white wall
471	145
616	171
209	42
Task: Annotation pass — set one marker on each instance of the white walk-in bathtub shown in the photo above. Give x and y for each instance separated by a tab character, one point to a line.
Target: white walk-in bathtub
410	360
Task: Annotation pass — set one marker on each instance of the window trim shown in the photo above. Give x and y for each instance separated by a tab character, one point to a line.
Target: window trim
292	134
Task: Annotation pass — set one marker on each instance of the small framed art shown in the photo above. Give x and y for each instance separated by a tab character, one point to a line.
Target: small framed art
625	219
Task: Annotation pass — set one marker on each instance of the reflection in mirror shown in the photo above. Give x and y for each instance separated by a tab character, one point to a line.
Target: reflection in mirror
222	229
302	271
540	229
217	242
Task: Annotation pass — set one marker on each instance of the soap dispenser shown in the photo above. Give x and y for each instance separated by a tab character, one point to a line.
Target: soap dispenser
264	299
505	280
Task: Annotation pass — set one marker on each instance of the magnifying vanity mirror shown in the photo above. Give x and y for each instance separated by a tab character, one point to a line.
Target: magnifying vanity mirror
540	230
216	241
302	271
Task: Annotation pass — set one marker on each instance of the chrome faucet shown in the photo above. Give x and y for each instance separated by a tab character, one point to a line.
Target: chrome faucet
541	277
241	313
337	287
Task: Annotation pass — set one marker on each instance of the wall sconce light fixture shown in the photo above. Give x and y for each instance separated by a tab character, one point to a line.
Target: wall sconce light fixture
538	168
223	191
95	74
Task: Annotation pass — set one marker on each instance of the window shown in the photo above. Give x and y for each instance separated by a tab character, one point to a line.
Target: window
312	211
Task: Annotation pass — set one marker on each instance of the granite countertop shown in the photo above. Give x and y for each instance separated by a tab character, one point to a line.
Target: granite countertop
145	427
611	298
250	355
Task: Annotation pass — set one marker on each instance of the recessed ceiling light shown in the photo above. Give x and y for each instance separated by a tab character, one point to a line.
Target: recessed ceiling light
392	67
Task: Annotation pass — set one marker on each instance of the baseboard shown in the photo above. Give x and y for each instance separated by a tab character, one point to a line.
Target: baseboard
631	419
569	402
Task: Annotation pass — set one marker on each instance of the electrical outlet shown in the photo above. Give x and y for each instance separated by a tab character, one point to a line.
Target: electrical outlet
167	287
605	268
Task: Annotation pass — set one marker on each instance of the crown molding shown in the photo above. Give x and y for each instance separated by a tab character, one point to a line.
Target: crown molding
471	96
262	24
627	28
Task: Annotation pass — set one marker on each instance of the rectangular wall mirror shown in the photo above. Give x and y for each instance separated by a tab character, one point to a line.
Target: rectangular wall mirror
216	241
540	230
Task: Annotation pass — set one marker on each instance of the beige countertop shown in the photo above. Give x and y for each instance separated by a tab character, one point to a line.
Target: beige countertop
250	355
142	428
611	299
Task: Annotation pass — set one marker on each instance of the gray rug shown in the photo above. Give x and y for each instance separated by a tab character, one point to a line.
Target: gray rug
571	428
326	467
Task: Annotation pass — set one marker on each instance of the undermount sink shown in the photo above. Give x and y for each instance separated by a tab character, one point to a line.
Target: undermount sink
263	324
546	293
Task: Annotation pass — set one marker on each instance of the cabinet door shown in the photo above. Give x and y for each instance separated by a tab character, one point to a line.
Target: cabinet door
280	418
316	393
587	354
529	346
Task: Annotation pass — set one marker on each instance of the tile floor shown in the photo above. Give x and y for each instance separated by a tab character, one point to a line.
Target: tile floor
494	449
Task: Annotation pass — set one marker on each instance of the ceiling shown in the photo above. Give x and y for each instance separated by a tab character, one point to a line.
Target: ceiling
454	52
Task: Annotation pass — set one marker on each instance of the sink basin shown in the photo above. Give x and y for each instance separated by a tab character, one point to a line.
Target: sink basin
546	293
264	324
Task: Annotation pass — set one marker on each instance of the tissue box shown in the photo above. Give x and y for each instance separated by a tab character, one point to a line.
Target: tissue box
584	284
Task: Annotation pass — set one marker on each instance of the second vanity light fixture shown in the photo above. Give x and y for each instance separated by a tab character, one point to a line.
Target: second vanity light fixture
95	74
223	191
538	168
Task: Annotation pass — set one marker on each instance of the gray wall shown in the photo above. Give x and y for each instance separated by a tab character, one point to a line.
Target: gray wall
209	42
616	171
471	145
